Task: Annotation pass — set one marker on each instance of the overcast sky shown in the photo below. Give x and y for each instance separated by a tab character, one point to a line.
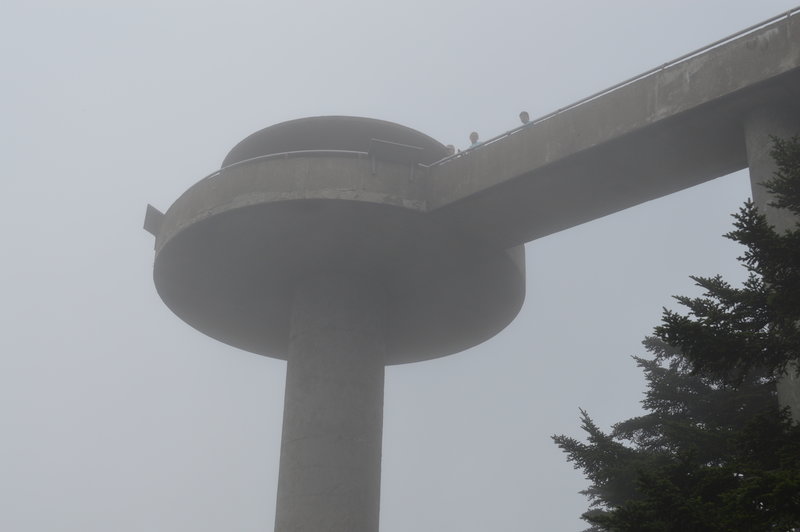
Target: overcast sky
117	416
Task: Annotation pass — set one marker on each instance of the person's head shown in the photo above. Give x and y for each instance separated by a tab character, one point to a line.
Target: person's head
450	149
524	117
473	137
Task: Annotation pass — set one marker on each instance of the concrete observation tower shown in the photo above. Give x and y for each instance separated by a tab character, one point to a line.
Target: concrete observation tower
345	244
313	245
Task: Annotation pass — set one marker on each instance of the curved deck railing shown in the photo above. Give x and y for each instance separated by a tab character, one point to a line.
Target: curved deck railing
290	155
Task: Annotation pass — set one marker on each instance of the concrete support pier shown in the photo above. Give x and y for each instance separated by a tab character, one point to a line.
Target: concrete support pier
759	126
330	467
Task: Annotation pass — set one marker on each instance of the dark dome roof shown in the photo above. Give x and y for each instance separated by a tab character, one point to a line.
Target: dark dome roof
332	133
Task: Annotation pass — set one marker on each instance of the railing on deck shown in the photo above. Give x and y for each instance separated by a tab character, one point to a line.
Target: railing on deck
613	88
290	155
467	151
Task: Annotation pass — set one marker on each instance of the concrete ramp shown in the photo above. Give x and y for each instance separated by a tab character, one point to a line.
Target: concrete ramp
666	130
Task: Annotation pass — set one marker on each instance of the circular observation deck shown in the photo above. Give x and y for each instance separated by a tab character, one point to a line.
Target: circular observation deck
331	194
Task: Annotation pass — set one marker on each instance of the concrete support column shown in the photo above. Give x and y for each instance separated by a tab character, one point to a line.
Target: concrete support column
759	126
330	469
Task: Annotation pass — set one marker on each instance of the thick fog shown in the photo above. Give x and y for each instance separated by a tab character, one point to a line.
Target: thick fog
117	416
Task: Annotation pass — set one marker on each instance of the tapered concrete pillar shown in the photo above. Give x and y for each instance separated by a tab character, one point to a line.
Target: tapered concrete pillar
330	469
759	127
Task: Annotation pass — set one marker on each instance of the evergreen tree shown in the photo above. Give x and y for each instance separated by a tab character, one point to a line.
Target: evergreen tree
713	452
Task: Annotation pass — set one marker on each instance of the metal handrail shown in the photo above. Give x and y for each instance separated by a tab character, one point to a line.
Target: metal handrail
621	84
290	155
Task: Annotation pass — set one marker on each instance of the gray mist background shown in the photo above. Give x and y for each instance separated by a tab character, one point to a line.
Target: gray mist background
118	416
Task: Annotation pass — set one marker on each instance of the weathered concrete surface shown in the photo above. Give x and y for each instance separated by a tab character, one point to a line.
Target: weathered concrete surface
759	126
665	132
333	412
